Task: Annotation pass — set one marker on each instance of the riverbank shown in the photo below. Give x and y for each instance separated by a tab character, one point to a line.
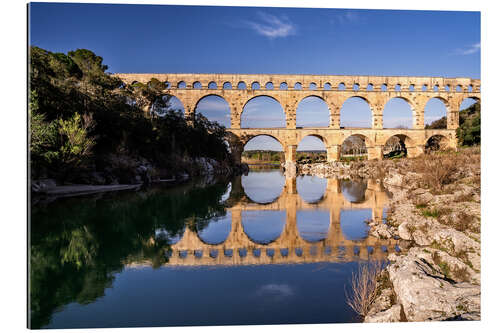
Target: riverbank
435	212
435	209
138	174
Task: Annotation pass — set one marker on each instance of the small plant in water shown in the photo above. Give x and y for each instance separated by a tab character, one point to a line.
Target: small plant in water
363	287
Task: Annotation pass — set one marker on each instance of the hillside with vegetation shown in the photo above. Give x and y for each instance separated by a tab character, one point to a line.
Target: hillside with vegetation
469	131
89	127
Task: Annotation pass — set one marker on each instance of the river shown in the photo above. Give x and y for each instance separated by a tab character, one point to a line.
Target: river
256	249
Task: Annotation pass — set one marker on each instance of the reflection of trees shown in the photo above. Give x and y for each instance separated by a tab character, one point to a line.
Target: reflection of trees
354	191
77	245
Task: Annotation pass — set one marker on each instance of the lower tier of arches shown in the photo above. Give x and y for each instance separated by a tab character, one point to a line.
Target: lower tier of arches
414	141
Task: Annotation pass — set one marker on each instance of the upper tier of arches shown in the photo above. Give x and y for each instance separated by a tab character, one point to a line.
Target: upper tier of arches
310	82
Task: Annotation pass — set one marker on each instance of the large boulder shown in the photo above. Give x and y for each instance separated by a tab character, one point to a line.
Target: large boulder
426	293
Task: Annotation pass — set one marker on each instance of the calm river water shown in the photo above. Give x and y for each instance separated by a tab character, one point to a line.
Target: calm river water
257	249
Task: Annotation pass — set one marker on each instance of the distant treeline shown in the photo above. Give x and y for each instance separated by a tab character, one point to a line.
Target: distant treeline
270	156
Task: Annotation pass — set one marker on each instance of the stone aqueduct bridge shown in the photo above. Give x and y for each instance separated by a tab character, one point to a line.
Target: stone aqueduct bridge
289	247
191	88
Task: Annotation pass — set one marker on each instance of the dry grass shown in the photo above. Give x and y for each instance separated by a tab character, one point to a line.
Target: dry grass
436	172
363	287
462	222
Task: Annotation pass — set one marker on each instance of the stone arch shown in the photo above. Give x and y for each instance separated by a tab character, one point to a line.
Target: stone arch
255	85
181	85
197	85
241	85
407	122
247	138
436	142
432	113
319	108
311	148
297	86
212	85
317	136
243	111
269	86
217	112
396	145
283	86
355	145
174	103
356	99
227	85
327	86
464	98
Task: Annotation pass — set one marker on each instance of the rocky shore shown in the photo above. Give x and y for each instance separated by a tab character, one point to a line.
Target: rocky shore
435	213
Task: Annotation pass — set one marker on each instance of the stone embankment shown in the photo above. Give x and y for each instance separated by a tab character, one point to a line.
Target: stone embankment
435	213
363	169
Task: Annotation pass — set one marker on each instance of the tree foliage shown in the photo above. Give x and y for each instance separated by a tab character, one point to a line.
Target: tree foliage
79	113
469	132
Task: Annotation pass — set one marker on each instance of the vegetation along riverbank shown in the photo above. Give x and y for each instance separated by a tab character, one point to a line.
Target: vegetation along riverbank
87	127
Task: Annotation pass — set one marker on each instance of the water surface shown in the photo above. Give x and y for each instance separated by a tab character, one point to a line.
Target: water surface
256	249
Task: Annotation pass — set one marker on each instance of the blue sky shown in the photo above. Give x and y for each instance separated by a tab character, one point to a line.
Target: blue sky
200	39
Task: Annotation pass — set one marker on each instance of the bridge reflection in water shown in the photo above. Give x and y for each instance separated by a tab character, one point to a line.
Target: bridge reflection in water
291	245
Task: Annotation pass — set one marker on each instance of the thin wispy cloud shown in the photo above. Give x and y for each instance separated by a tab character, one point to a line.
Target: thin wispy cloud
345	17
469	49
272	26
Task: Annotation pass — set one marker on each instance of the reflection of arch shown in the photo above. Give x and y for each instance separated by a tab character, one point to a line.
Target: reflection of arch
171	238
271	228
354	192
302	113
244	112
352	223
311	194
258	189
400	113
354	99
225	223
313	226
